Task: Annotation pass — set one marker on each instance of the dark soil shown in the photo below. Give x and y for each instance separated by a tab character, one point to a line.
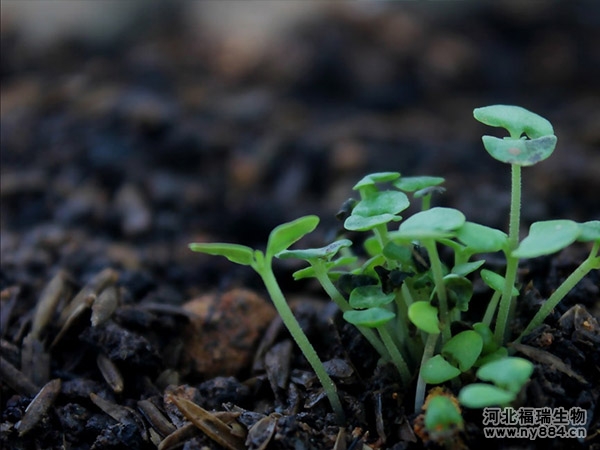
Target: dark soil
116	155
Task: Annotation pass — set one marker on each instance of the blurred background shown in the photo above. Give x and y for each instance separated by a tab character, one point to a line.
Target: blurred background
132	128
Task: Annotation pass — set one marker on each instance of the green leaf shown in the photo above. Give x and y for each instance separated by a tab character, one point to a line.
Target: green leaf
487	337
386	202
397	252
360	223
424	316
467	268
459	290
481	239
442	416
435	223
496	355
370	318
437	370
589	231
515	119
463	349
479	395
326	252
380	177
412	184
369	297
547	237
495	281
509	373
284	235
239	254
519	151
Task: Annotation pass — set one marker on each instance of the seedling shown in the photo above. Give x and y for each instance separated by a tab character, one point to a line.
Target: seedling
404	298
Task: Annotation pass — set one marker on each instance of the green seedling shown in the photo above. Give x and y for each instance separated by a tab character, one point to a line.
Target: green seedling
280	239
405	299
443	419
508	376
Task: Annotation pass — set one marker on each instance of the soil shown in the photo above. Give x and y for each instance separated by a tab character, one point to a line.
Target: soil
116	155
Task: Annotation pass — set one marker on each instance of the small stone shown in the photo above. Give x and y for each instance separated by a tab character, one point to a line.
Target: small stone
223	338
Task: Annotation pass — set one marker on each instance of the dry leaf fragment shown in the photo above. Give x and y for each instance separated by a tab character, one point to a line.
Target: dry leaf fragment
210	425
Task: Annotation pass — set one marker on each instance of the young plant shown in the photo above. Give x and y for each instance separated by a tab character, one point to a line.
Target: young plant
280	239
404	298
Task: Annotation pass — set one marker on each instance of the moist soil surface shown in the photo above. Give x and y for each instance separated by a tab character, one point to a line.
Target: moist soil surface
117	154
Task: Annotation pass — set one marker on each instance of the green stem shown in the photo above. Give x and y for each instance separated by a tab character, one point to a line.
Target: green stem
421	384
381	232
491	308
440	287
298	335
342	303
512	263
590	263
397	358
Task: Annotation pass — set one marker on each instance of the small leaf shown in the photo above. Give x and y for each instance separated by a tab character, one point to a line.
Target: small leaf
496	282
397	252
369	297
589	231
437	370
479	395
499	353
435	223
386	202
509	373
481	239
371	318
424	316
487	337
515	119
381	177
412	184
547	237
326	252
360	223
284	235
467	268
442	415
520	151
460	291
464	349
239	254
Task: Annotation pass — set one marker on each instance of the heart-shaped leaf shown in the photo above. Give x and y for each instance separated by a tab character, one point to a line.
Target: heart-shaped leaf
463	349
515	119
495	281
437	370
370	318
412	184
442	416
481	239
479	395
369	297
360	223
386	202
547	237
326	252
589	231
372	179
284	235
509	373
239	254
425	317
520	151
434	223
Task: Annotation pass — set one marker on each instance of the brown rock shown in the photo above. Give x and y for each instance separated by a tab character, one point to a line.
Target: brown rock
222	339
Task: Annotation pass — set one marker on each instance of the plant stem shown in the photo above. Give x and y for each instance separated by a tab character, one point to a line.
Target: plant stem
440	287
298	335
397	358
421	385
342	303
590	263
512	263
491	308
